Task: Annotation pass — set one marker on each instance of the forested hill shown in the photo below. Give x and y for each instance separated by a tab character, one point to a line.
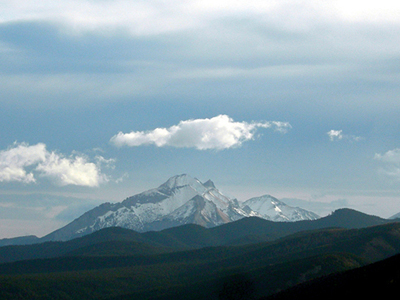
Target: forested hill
117	263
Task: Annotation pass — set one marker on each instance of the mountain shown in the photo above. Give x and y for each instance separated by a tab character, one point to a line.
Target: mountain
22	240
270	208
396	216
180	200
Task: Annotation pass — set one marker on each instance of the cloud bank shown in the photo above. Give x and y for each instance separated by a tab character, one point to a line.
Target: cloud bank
24	163
89	14
220	132
187	43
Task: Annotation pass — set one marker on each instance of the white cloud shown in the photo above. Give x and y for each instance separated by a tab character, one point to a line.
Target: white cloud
336	135
73	170
391	161
220	132
13	162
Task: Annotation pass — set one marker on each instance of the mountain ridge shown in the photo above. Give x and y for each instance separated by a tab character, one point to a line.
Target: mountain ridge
246	231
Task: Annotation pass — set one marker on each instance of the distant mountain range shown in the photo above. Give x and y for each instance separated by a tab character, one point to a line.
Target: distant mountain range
180	200
185	200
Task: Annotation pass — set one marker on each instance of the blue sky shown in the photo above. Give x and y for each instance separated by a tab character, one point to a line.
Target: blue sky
101	100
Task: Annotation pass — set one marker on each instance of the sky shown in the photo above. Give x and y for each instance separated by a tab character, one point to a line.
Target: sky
101	100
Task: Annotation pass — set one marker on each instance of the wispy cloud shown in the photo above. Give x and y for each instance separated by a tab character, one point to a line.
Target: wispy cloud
337	135
24	163
220	132
391	161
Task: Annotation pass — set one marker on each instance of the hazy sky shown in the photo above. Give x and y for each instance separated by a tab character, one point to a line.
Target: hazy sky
100	100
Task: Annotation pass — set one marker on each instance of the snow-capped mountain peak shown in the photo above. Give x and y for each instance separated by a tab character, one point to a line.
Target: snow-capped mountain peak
180	200
270	208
